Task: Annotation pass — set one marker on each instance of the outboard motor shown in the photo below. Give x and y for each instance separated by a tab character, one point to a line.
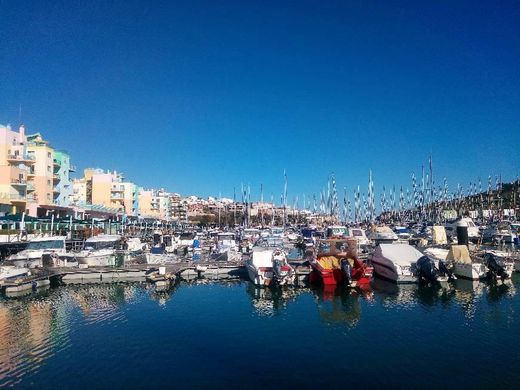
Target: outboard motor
426	270
346	268
495	269
277	267
444	270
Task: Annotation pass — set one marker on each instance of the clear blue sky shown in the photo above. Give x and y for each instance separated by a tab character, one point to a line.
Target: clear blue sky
199	97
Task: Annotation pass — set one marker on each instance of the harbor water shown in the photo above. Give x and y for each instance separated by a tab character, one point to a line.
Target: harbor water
234	335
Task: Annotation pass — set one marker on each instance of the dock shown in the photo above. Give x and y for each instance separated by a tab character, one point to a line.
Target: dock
163	276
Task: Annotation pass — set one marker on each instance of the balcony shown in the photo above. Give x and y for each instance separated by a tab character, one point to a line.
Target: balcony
30	187
117	196
32	198
56	163
16	197
118	189
56	177
72	168
18	182
56	190
16	158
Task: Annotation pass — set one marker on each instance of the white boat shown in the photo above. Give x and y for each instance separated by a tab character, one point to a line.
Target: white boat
337	231
402	263
462	264
360	235
260	266
473	231
403	233
226	242
38	250
8	272
501	233
382	235
100	251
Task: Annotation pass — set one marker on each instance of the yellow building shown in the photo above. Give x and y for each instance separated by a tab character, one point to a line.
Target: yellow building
107	189
41	173
154	204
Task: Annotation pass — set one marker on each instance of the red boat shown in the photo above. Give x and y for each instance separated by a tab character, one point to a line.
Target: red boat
336	262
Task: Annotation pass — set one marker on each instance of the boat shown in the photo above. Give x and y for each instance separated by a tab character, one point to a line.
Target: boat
336	261
11	272
360	235
100	251
501	233
473	230
462	264
38	250
403	233
260	266
402	263
337	231
226	248
382	235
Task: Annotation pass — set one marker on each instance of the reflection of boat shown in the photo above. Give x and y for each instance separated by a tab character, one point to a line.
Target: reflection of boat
268	302
339	307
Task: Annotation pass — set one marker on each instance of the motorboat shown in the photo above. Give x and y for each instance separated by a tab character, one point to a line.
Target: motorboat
501	233
337	231
336	261
382	235
100	251
38	250
473	230
10	272
402	263
360	235
403	233
226	242
260	265
463	266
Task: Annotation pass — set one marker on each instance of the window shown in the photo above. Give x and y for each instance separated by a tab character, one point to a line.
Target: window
48	168
48	154
48	182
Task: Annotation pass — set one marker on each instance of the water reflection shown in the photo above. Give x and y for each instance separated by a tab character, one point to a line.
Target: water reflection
341	306
39	326
272	301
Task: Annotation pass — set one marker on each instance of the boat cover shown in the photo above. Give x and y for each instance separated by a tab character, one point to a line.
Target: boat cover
262	257
329	262
439	235
400	254
383	229
459	254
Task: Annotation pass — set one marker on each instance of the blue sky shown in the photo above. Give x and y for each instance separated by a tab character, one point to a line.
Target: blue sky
199	97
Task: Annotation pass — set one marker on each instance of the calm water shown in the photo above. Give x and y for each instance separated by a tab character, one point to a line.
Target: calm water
224	335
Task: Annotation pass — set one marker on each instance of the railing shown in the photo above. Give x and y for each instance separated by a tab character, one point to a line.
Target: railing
18	181
72	168
19	157
118	188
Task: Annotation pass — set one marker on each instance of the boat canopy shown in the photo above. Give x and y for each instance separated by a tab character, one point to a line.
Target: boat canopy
262	257
439	235
383	229
330	262
459	254
342	247
400	254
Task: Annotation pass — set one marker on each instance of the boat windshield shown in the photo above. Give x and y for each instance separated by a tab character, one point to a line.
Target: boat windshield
51	244
357	233
96	245
332	247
